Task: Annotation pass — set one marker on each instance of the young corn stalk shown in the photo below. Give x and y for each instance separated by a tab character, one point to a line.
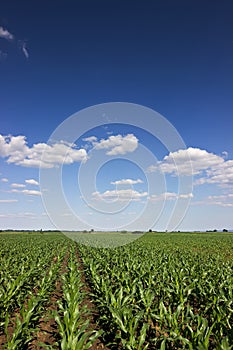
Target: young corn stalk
72	315
30	312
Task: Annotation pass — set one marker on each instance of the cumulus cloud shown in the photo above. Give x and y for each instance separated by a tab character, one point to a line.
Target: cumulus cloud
5	34
118	144
178	162
16	150
32	182
4	179
120	195
127	182
206	166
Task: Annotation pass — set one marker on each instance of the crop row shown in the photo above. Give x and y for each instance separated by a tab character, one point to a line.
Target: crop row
155	297
159	292
72	314
29	269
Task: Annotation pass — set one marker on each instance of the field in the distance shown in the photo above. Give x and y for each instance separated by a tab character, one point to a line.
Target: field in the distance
161	291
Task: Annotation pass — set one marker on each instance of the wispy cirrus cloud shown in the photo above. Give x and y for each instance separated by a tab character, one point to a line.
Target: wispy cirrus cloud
21	44
27	215
26	192
225	200
16	185
168	196
5	34
119	195
8	200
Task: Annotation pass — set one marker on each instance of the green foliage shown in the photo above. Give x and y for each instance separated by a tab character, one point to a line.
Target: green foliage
164	292
28	272
72	315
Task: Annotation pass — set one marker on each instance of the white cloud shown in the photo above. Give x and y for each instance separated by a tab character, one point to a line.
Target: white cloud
5	34
22	45
25	50
32	182
32	192
16	150
127	182
209	167
185	195
164	196
90	139
225	200
8	200
118	144
27	192
4	179
169	196
222	174
15	185
178	162
120	195
225	154
28	215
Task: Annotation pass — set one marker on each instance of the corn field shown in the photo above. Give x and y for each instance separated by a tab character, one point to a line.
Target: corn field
162	291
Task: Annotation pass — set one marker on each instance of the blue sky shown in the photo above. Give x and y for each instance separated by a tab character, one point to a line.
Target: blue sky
58	58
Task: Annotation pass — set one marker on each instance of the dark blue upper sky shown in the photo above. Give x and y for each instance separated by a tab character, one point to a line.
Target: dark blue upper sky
173	56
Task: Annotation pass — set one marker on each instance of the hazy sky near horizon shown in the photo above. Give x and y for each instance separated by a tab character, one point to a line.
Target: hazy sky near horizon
58	58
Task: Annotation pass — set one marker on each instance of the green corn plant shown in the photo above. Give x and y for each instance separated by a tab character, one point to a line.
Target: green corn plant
30	311
178	288
73	329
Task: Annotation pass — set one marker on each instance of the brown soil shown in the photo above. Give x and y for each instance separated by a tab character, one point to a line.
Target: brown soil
47	328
